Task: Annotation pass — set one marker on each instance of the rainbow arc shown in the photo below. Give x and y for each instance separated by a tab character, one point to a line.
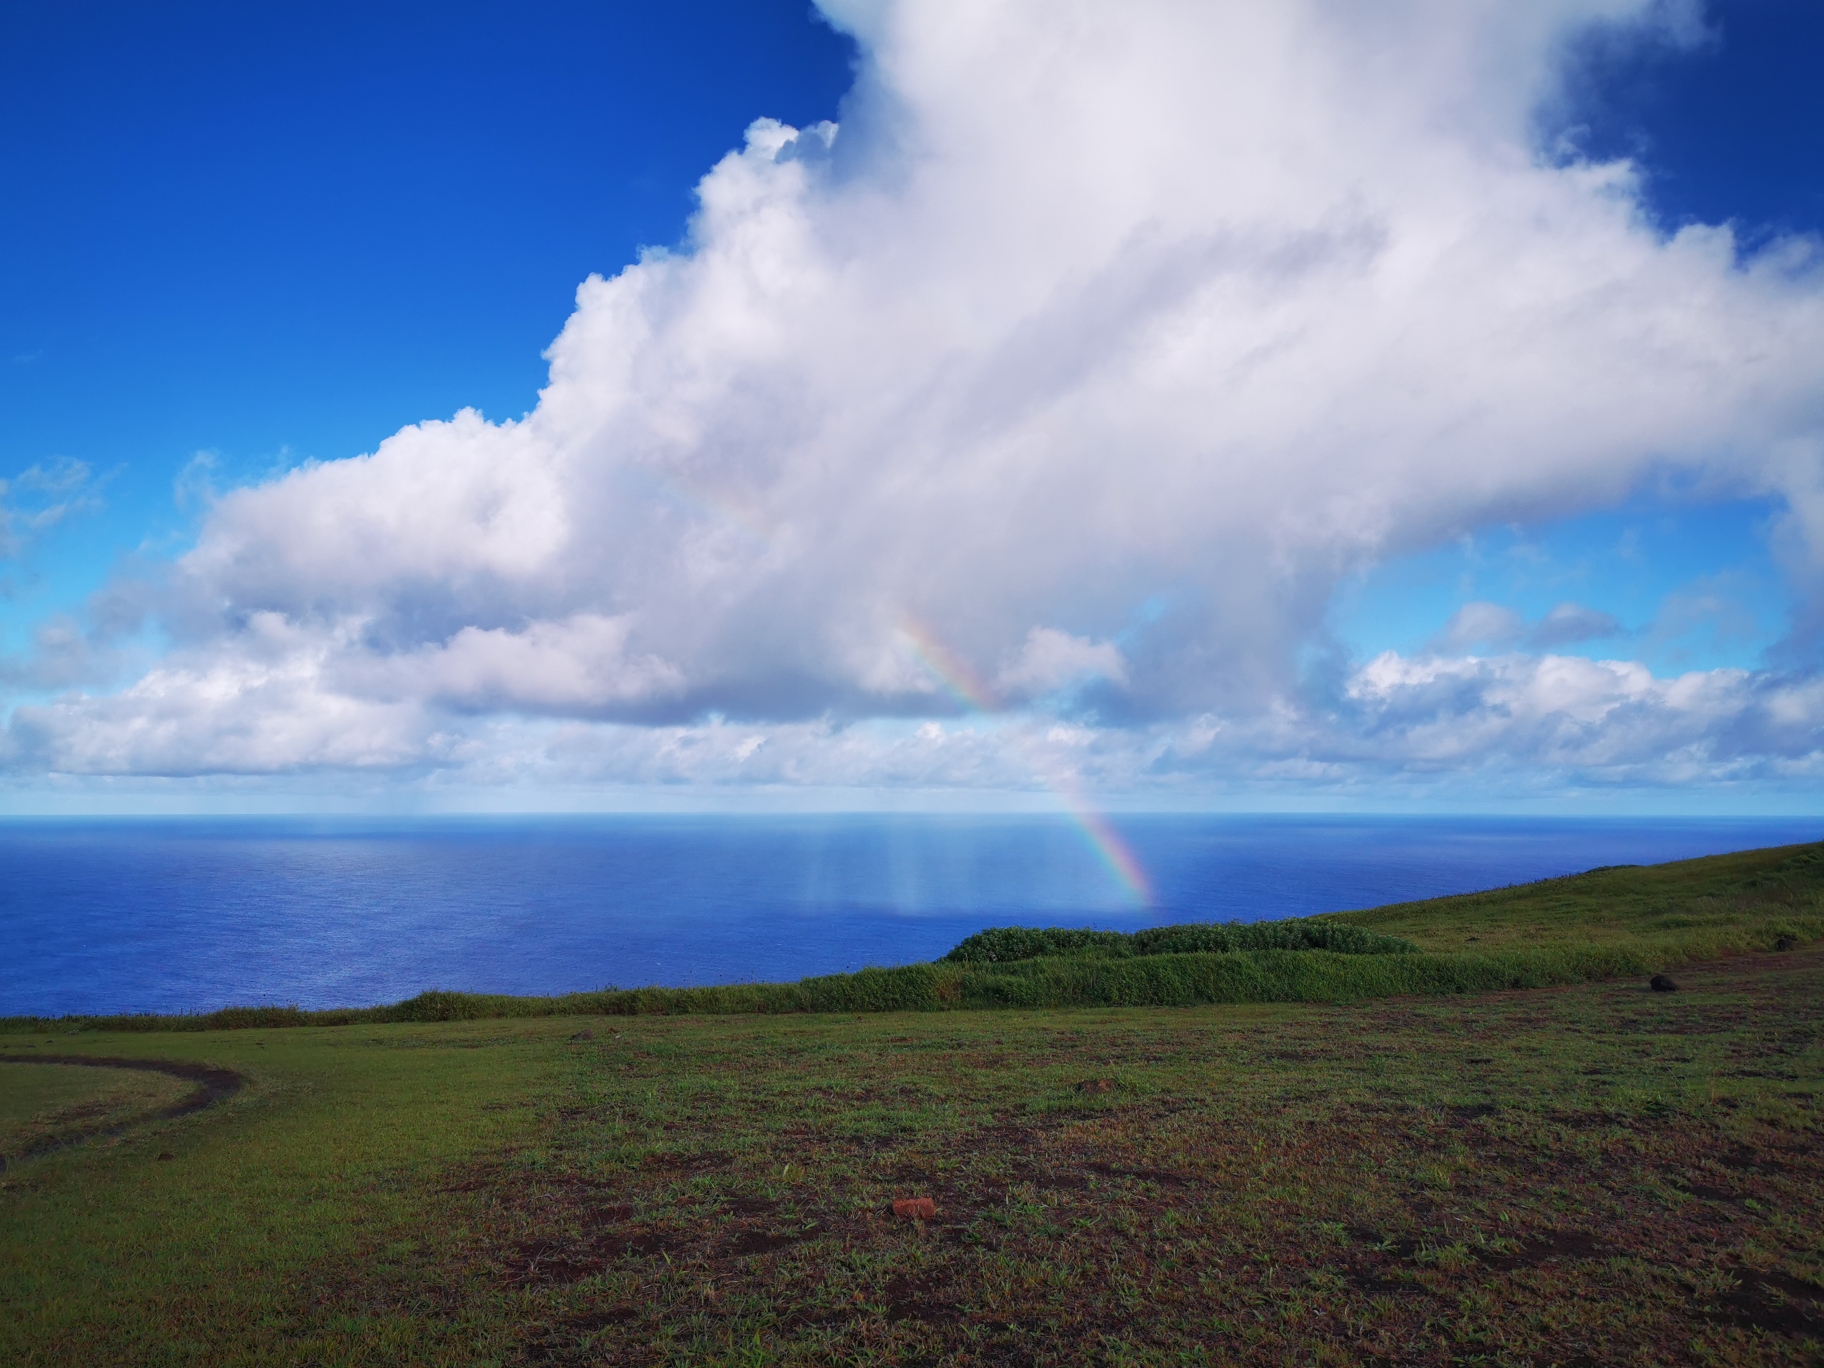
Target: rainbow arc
966	683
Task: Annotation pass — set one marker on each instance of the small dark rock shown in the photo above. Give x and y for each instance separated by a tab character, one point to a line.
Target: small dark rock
1786	943
583	1035
166	1154
1659	983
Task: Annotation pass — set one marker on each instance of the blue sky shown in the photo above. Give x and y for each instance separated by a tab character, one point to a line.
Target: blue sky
280	232
1687	585
241	241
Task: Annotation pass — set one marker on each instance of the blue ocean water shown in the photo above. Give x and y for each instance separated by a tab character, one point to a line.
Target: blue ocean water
189	914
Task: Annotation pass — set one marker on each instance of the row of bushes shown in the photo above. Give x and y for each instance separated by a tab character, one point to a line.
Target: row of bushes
1069	980
1009	944
1151	981
1138	981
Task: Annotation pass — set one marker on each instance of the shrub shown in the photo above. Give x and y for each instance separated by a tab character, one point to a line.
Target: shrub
1011	944
1002	944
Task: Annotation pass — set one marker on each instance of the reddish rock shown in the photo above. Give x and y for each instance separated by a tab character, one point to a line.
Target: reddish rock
915	1208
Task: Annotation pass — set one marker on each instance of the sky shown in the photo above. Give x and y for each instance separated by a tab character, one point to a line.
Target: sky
912	403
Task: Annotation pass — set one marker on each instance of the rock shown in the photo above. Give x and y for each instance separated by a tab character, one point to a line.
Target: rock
1659	983
1786	943
166	1154
915	1208
583	1035
1096	1085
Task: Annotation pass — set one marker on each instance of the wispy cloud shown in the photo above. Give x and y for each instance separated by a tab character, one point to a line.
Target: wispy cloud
1489	625
1571	624
41	496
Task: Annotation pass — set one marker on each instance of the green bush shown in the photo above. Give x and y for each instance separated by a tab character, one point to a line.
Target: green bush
1305	933
1002	944
1010	944
1282	976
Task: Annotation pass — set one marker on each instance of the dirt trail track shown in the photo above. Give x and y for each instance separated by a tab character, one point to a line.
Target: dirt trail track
214	1085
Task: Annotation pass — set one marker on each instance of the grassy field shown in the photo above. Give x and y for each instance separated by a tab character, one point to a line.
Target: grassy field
43	1105
1589	1173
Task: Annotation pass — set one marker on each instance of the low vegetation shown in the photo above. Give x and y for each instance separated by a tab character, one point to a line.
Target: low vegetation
45	1106
1005	944
1596	1174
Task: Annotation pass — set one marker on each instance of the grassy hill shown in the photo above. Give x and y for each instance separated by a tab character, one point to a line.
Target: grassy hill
1685	910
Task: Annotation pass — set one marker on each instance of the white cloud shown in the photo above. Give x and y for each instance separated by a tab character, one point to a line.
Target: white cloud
1566	717
255	711
576	665
1050	660
1101	340
1479	623
1570	623
1559	710
1485	728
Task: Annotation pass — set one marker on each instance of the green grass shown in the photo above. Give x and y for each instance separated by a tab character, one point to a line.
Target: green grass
1682	911
41	1104
1582	1173
1593	1174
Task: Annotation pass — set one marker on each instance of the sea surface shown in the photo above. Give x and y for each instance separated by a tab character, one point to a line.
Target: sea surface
190	914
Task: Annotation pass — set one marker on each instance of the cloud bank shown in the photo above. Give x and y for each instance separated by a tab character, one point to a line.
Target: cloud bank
1061	382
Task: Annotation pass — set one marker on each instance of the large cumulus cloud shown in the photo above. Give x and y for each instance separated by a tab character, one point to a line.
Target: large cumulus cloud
1067	375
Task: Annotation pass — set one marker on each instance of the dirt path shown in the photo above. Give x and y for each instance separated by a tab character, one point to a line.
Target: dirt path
214	1085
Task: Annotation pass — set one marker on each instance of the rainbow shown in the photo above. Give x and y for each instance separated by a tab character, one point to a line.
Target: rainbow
956	674
1108	845
961	679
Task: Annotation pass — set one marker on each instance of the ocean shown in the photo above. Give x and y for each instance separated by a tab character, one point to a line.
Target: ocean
190	914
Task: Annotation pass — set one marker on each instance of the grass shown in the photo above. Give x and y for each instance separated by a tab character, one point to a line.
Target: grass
1682	911
1587	1173
42	1105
